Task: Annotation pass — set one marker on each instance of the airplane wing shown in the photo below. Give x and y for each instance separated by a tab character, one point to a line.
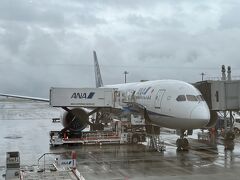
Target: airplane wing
25	97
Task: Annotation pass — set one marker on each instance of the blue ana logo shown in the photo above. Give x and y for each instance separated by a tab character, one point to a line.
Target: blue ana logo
77	95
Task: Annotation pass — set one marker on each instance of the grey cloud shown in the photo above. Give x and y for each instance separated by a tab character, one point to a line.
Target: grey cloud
47	13
230	18
50	43
89	20
41	47
12	40
176	55
28	13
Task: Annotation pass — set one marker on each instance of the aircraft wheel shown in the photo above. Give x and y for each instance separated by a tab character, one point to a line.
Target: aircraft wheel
134	139
229	136
185	144
179	148
182	144
229	145
179	142
236	130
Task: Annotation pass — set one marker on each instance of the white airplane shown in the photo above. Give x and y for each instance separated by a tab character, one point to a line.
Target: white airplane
168	103
165	103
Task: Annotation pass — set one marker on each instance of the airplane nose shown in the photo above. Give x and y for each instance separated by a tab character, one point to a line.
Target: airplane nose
201	114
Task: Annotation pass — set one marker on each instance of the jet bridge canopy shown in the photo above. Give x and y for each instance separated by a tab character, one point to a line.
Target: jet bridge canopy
221	95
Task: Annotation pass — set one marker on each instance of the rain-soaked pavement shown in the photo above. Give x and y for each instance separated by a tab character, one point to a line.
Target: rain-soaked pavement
25	127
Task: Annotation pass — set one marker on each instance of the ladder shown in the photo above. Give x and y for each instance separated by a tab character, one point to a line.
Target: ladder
155	143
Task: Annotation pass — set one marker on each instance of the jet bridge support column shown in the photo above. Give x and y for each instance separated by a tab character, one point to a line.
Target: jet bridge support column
231	121
225	120
228	127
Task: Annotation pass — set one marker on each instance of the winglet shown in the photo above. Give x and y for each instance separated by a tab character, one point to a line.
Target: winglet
98	77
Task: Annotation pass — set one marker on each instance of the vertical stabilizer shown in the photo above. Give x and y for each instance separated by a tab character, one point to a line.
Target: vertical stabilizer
98	77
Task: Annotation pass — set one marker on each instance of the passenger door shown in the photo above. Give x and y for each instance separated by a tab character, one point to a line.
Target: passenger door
158	98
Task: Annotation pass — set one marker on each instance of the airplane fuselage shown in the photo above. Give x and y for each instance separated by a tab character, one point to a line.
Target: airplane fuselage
169	103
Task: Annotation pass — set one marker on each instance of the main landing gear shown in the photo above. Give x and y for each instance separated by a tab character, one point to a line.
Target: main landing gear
182	142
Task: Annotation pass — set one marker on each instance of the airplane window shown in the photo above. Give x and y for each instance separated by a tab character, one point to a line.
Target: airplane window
191	98
200	98
181	98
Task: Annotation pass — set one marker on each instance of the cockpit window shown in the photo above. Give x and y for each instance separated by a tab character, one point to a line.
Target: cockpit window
200	98
181	98
191	98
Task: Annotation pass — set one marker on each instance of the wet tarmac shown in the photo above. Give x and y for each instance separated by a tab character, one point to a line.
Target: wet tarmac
25	127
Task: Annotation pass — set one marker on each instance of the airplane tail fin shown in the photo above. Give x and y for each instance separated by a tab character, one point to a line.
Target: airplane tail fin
98	77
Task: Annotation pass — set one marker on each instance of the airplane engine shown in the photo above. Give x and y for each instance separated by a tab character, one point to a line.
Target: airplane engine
213	119
75	120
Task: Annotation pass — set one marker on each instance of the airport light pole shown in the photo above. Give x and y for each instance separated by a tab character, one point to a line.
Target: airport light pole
202	74
125	76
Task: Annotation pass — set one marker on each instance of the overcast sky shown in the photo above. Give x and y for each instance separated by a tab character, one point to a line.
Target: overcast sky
46	43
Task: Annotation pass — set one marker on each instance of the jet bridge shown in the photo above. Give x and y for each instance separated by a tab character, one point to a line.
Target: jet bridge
222	95
84	97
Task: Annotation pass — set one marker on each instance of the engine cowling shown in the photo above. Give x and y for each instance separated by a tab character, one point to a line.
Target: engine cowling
75	120
213	119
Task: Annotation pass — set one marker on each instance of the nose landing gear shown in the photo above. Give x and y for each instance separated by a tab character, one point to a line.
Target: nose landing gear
182	142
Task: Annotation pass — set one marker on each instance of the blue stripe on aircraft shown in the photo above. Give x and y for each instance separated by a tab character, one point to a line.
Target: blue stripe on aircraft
147	90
